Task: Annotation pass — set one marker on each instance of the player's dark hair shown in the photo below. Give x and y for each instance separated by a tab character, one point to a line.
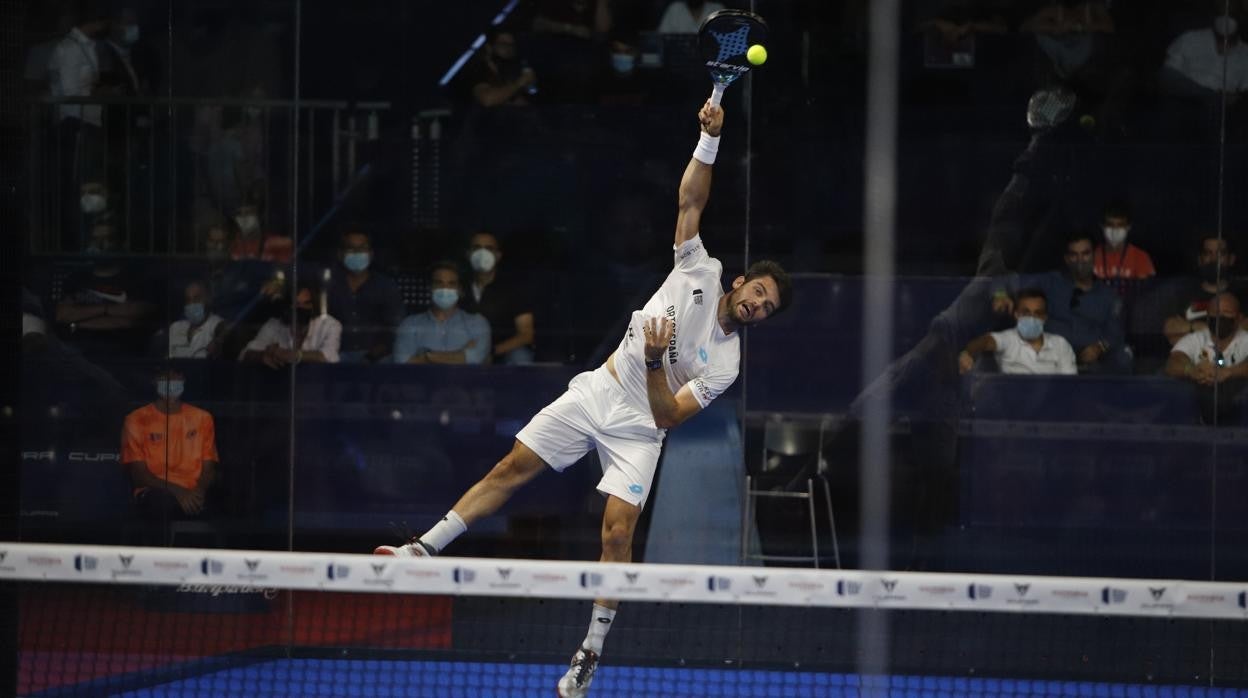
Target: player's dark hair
354	230
784	285
1031	293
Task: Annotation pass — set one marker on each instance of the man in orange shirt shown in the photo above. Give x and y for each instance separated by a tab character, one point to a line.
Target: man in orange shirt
169	450
1117	260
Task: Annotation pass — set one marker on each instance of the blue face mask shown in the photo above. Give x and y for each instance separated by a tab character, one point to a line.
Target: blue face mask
1030	327
356	261
445	298
170	389
194	313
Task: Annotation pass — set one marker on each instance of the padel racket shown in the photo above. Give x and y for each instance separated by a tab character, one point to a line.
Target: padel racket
723	40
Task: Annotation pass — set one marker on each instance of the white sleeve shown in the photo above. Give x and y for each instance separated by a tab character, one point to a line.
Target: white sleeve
691	256
266	336
706	388
1066	364
1002	340
1190	345
1175	54
330	339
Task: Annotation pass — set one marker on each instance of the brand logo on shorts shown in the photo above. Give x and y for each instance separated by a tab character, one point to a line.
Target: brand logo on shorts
636	489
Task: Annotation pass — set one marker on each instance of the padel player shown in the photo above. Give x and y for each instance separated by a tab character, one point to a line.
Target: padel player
681	351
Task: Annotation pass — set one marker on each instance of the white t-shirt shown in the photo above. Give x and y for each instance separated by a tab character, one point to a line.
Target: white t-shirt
1016	356
184	345
324	335
1199	347
1195	55
677	19
74	69
700	355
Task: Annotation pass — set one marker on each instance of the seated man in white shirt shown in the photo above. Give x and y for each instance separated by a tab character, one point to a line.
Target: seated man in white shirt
198	334
1026	349
316	337
1216	355
1207	61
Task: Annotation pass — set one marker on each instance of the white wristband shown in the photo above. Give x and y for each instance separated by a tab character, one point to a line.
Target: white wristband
708	147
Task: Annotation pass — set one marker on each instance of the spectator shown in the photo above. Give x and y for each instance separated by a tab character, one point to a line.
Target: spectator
581	19
251	243
169	450
502	300
317	337
686	16
216	243
1179	307
104	308
1027	349
1198	61
496	76
1068	33
565	49
1085	313
126	65
1214	355
1117	259
444	334
198	335
366	302
74	69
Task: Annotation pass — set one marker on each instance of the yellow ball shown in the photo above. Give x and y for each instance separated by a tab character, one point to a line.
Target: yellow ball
757	54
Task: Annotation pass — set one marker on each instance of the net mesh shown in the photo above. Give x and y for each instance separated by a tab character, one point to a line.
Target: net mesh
184	622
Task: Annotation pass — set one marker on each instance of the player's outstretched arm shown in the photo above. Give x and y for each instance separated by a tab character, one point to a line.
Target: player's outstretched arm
695	186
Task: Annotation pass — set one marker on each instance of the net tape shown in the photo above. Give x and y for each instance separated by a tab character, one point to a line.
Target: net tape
240	571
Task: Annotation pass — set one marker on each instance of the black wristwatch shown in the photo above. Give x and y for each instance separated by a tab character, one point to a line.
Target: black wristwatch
654	364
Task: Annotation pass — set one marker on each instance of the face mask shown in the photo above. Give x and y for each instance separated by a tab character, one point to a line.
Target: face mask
1030	327
170	389
247	224
1223	327
482	260
445	298
131	34
194	313
1209	273
623	62
356	261
1115	236
93	203
1080	270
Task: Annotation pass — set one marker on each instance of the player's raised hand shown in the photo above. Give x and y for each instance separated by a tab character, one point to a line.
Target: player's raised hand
658	333
711	116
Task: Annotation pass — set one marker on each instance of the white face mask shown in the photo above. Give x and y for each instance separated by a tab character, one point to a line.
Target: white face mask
93	203
1116	236
445	298
247	224
482	260
170	389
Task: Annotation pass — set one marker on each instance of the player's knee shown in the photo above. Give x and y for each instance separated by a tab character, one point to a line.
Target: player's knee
617	536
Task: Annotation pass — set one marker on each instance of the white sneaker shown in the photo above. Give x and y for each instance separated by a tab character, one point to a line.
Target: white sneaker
413	548
575	683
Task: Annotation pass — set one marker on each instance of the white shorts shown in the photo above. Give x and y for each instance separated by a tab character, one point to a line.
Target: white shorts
594	414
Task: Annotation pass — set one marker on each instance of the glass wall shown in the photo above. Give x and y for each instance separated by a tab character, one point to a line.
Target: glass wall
296	274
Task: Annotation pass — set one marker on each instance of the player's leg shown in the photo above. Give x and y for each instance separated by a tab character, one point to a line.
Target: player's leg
482	499
619	521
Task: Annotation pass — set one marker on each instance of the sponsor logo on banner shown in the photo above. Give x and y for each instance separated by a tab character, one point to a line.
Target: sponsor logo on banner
211	567
504	579
979	592
44	561
591	580
632	577
171	565
672	584
938	590
631	583
845	587
1022	596
227	590
338	571
1113	595
253	573
718	583
1070	594
806	586
1207	599
759	587
549	578
378	578
297	570
1158	599
1243	599
127	568
3	567
85	563
464	576
889	586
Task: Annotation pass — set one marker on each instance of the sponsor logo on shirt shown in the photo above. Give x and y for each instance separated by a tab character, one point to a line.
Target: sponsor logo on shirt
697	296
672	353
703	389
636	488
705	357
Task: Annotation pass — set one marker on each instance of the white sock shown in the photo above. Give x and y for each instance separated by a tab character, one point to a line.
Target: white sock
599	624
445	531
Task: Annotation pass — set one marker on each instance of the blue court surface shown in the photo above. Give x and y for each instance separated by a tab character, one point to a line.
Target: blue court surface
444	679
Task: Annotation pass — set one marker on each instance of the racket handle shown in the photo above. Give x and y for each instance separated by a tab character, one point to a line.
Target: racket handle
717	94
